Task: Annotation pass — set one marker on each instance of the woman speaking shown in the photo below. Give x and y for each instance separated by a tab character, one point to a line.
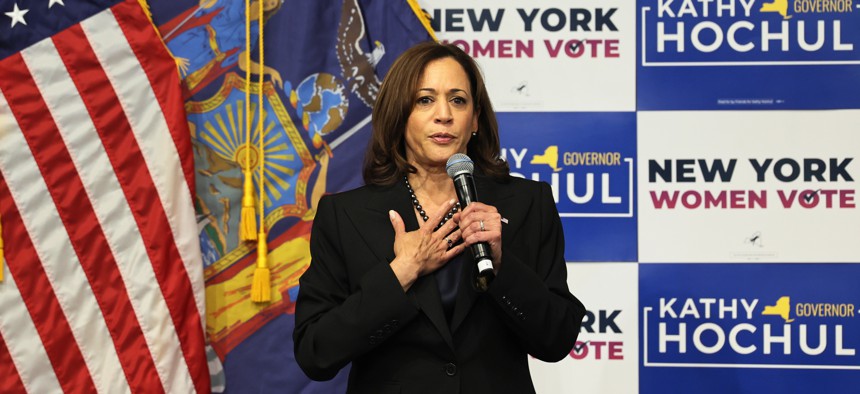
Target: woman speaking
392	286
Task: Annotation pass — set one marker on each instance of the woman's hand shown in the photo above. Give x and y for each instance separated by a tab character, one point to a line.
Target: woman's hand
420	252
482	223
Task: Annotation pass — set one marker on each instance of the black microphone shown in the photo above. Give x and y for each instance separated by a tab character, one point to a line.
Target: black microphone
460	168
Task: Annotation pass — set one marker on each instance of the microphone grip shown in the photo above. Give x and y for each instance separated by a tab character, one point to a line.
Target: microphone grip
464	184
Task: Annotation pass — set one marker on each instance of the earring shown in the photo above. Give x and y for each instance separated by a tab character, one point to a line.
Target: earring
474	133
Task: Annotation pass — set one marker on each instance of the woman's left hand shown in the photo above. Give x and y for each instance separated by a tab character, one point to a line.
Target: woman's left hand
482	223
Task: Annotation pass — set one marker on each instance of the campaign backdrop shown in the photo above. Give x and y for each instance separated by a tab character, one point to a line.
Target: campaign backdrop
702	155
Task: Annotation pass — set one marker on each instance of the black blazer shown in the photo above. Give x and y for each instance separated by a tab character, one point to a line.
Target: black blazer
351	307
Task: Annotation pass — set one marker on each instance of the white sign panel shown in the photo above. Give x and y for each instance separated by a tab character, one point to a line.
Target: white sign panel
546	55
606	356
748	186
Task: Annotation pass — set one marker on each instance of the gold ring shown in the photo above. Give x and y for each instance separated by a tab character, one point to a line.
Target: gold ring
482	226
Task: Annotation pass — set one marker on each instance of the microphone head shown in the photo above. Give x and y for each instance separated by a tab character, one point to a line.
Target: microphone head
458	164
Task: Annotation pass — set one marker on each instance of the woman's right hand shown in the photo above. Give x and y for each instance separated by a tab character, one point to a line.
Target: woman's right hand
420	252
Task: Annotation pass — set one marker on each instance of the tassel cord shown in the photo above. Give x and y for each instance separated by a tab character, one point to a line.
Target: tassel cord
261	287
247	219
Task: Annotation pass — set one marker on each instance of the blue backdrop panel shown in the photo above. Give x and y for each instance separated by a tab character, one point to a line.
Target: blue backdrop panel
701	55
588	158
786	328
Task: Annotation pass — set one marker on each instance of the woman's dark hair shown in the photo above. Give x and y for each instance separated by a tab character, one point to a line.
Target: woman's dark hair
385	161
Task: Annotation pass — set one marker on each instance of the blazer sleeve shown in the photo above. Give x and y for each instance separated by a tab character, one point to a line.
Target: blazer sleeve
340	317
533	295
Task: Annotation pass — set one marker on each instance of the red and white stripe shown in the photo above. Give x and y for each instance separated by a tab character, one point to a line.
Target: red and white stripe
104	289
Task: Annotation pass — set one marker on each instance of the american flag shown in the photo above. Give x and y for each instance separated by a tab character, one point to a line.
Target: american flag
103	284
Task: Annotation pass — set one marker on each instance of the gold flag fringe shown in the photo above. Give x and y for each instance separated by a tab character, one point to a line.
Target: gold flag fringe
144	4
423	17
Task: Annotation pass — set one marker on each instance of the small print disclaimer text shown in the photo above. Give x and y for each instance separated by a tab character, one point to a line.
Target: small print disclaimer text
759	101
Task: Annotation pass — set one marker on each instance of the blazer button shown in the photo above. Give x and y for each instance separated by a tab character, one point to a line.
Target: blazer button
450	369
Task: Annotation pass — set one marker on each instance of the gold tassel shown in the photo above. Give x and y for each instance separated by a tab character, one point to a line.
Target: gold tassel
248	220
261	287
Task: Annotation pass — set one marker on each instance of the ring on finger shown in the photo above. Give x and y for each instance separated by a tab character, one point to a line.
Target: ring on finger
449	241
482	225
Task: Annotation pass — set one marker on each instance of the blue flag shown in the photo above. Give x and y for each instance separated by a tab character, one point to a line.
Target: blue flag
322	63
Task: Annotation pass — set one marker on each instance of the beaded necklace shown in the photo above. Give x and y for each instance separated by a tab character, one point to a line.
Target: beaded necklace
420	209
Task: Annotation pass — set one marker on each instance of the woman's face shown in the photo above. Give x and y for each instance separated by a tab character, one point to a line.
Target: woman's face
443	115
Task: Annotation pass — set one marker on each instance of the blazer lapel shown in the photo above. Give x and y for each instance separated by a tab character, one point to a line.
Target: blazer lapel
370	219
380	237
490	193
